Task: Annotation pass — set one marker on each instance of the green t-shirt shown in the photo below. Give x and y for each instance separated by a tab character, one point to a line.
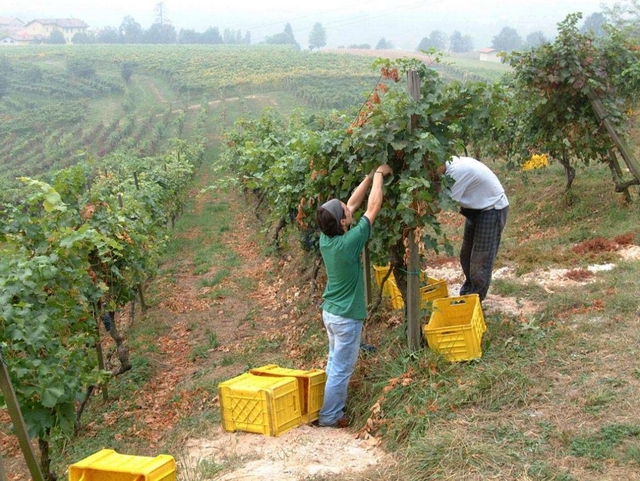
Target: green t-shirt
344	295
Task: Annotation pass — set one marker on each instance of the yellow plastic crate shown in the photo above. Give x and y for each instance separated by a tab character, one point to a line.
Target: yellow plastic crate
310	385
390	288
434	288
260	404
456	327
107	465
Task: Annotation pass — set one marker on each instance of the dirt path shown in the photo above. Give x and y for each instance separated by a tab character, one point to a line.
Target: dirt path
300	452
214	102
159	97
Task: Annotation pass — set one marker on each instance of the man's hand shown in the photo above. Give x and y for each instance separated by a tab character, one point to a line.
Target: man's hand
384	169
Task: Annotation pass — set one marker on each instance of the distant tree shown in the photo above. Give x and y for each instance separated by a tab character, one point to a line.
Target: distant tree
317	37
507	40
625	15
535	39
247	38
188	36
108	35
130	30
278	39
211	36
160	33
169	33
82	38
455	41
383	44
289	32
467	43
126	70
436	39
283	38
160	13
230	36
56	38
594	24
459	43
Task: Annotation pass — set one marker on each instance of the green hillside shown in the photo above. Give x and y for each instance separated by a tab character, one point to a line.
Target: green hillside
62	104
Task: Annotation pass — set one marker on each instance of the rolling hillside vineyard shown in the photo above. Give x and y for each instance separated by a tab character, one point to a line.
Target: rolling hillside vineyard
99	146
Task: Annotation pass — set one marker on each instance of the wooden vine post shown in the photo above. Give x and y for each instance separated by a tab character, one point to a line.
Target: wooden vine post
13	407
616	174
625	151
101	365
414	338
366	266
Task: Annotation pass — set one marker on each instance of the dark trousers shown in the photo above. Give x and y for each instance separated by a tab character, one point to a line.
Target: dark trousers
479	249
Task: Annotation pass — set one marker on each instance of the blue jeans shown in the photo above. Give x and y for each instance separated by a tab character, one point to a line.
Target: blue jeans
344	346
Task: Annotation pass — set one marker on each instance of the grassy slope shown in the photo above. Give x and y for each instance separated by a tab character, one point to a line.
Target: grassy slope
555	392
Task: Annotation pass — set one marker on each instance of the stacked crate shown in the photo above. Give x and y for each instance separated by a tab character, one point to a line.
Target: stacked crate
310	387
271	400
456	324
432	288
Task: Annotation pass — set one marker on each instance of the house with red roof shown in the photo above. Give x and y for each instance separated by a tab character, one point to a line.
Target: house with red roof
489	55
17	38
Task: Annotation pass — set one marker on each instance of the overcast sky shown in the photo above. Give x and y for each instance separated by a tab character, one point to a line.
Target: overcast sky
402	22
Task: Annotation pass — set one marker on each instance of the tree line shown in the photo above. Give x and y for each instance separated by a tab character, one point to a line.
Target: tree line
131	32
507	40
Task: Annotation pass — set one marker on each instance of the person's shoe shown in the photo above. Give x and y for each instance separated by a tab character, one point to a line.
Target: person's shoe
343	422
368	348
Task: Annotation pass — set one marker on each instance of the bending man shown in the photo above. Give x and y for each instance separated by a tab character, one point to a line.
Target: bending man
484	204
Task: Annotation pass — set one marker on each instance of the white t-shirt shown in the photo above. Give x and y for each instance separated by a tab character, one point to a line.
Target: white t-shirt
475	186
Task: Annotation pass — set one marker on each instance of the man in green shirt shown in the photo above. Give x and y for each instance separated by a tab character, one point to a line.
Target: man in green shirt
344	309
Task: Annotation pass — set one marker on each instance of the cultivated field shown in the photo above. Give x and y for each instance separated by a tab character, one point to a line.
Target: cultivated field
554	396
